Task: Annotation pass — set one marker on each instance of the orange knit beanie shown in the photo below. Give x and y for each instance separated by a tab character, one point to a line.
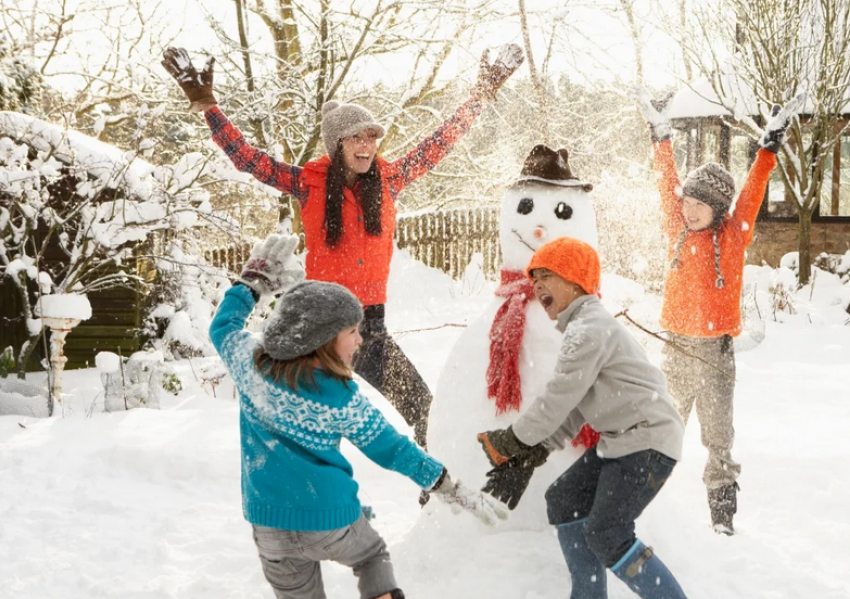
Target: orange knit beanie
572	259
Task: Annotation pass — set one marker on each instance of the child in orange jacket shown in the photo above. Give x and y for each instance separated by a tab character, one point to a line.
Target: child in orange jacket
702	291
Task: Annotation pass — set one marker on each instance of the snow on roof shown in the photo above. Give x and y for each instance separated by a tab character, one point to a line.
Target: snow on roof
699	99
108	163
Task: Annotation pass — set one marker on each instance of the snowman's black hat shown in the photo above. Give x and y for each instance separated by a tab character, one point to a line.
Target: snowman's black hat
545	165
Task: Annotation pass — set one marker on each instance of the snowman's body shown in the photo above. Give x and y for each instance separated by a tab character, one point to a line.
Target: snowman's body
532	214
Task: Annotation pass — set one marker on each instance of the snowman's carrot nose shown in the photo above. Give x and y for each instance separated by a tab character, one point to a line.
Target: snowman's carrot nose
540	232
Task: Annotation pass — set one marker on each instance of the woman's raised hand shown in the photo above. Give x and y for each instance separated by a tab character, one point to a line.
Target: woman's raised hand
196	85
492	76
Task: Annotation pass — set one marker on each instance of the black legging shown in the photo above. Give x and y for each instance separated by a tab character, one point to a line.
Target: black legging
382	363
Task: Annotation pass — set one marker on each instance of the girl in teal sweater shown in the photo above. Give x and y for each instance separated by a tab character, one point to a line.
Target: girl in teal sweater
297	401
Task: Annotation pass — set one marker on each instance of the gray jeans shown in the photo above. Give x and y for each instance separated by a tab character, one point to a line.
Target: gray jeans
291	559
706	378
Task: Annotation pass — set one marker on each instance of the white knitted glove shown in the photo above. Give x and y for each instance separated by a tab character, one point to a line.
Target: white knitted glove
655	114
272	267
460	497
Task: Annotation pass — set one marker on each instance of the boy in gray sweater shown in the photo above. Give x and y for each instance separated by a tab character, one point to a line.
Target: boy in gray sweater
602	378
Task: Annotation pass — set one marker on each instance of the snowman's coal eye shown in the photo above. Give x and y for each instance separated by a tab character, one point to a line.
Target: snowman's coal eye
563	211
525	206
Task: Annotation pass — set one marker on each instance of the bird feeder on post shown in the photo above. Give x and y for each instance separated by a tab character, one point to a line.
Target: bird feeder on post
60	313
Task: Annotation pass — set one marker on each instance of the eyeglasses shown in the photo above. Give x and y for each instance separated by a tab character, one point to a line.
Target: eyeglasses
365	137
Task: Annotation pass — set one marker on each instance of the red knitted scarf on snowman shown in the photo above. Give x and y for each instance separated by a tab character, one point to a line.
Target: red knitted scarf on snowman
506	332
503	383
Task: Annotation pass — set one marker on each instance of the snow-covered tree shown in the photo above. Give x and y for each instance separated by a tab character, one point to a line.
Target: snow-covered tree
76	214
765	52
20	83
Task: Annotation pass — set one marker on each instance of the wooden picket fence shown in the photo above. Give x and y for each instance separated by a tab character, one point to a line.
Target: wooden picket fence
446	239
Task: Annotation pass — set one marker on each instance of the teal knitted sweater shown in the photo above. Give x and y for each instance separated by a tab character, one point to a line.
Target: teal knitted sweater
293	474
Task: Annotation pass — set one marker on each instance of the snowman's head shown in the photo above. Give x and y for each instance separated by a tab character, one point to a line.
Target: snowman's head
545	203
534	213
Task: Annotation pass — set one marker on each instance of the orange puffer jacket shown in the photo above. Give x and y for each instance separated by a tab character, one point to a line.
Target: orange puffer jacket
362	262
693	305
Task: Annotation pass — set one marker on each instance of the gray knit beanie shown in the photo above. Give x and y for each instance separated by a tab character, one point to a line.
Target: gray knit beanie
307	316
713	185
340	120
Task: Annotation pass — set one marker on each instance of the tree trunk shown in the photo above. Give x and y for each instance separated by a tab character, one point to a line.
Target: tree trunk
539	86
804	246
23	357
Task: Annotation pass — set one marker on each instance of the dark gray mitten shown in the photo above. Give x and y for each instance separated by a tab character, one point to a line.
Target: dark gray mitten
197	86
508	482
780	120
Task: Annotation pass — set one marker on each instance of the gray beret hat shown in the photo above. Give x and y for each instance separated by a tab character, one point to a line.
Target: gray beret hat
307	316
713	185
340	120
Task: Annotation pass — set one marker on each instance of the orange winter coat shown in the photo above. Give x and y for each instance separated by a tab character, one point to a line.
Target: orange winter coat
360	262
693	305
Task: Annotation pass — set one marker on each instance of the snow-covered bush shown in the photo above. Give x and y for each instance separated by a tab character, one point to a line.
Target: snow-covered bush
136	383
186	296
95	206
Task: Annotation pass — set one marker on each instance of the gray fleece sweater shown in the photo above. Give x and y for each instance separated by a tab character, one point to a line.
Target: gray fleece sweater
603	378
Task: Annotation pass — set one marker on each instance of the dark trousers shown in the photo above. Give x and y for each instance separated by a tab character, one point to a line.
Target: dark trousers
383	365
610	494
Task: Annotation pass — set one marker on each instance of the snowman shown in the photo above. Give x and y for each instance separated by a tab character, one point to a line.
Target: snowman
504	359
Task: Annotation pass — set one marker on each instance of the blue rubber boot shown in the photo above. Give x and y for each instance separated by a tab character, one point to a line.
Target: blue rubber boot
586	570
647	575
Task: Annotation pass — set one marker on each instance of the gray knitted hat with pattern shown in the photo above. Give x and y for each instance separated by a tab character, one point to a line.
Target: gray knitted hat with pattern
341	120
307	316
713	185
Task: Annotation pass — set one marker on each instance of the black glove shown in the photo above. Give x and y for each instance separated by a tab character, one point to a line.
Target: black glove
501	445
509	481
780	119
197	86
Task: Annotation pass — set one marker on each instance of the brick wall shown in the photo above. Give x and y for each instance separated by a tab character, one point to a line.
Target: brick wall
773	240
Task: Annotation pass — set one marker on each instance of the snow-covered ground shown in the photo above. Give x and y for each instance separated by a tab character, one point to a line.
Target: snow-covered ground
146	504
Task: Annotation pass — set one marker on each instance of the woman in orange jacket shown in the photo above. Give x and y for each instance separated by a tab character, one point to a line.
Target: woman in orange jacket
702	293
347	201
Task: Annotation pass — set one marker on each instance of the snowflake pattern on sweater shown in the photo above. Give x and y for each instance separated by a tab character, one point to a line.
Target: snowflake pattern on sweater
294	476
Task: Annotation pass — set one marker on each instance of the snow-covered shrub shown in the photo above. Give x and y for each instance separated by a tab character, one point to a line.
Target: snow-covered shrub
7	362
172	383
100	206
837	264
136	383
20	81
187	293
29	397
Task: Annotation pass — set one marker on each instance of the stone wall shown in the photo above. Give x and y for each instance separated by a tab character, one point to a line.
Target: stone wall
774	239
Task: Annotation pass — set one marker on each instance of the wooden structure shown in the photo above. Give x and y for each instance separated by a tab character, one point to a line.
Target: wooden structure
705	132
448	239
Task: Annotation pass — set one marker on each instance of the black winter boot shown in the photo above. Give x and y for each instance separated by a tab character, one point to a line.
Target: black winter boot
723	503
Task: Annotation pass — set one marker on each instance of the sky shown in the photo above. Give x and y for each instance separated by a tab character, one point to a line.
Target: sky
599	49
